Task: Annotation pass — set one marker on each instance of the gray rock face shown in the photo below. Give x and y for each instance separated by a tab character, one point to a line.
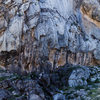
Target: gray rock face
4	94
34	97
35	33
79	77
82	76
59	97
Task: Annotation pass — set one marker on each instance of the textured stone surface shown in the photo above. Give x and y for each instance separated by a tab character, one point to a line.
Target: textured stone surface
79	76
37	33
59	97
52	86
4	94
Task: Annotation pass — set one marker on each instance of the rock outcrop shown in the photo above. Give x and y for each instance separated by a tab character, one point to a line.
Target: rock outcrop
65	83
37	34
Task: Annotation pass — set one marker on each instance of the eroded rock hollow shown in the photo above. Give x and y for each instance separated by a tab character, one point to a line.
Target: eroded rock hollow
36	34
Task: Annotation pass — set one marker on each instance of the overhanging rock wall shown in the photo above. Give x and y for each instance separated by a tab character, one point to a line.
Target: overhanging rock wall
49	33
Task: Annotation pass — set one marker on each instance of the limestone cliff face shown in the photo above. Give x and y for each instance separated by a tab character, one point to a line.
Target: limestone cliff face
49	33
